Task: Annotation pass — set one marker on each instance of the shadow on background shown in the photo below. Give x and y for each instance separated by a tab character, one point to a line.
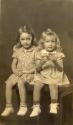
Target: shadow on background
39	14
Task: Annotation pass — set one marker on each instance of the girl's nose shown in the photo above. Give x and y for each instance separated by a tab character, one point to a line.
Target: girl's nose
25	41
50	43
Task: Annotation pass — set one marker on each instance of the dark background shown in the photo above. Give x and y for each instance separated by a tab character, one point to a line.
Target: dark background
39	14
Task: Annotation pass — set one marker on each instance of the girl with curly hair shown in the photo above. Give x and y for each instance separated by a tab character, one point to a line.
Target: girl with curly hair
49	70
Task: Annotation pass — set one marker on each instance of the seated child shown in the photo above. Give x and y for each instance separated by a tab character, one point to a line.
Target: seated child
49	70
23	68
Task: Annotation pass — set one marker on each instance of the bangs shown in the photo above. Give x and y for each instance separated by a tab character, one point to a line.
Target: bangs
50	33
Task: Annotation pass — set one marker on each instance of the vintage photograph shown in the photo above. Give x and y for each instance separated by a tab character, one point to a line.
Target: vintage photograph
36	62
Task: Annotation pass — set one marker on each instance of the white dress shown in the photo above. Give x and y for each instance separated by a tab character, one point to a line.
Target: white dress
51	74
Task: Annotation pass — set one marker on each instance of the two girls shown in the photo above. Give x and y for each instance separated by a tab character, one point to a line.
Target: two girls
41	67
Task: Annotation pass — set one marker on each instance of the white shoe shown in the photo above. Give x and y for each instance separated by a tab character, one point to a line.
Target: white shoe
53	108
8	111
36	111
22	111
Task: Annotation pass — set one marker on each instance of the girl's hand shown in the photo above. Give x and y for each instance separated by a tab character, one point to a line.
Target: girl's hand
18	72
53	57
46	65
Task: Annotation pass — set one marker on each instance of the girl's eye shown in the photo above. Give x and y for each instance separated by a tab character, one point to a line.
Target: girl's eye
47	41
52	41
22	39
28	38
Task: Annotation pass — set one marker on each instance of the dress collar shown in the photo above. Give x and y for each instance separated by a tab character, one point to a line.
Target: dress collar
54	52
28	50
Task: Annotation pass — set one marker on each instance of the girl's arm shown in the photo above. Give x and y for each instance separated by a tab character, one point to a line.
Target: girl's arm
14	68
14	65
46	65
41	60
59	64
58	60
38	65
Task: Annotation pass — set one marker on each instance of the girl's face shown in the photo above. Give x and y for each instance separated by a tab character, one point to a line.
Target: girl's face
26	40
49	43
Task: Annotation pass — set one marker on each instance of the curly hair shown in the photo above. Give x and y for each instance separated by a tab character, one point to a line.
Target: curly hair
49	32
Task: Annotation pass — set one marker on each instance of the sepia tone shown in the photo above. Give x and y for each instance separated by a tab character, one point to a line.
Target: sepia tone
39	14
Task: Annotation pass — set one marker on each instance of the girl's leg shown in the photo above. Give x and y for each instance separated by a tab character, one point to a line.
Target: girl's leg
53	93
36	99
54	98
37	93
9	87
22	92
9	109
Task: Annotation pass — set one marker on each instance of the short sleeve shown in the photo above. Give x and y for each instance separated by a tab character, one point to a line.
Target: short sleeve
60	56
15	53
37	56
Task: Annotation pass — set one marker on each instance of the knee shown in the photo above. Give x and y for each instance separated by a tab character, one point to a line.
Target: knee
20	84
53	87
38	86
9	85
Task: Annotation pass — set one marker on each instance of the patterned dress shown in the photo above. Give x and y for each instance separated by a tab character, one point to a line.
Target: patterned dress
50	74
26	63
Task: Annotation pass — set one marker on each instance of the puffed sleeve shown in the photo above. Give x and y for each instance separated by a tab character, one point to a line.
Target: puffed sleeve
15	53
60	56
37	55
40	55
38	61
59	63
